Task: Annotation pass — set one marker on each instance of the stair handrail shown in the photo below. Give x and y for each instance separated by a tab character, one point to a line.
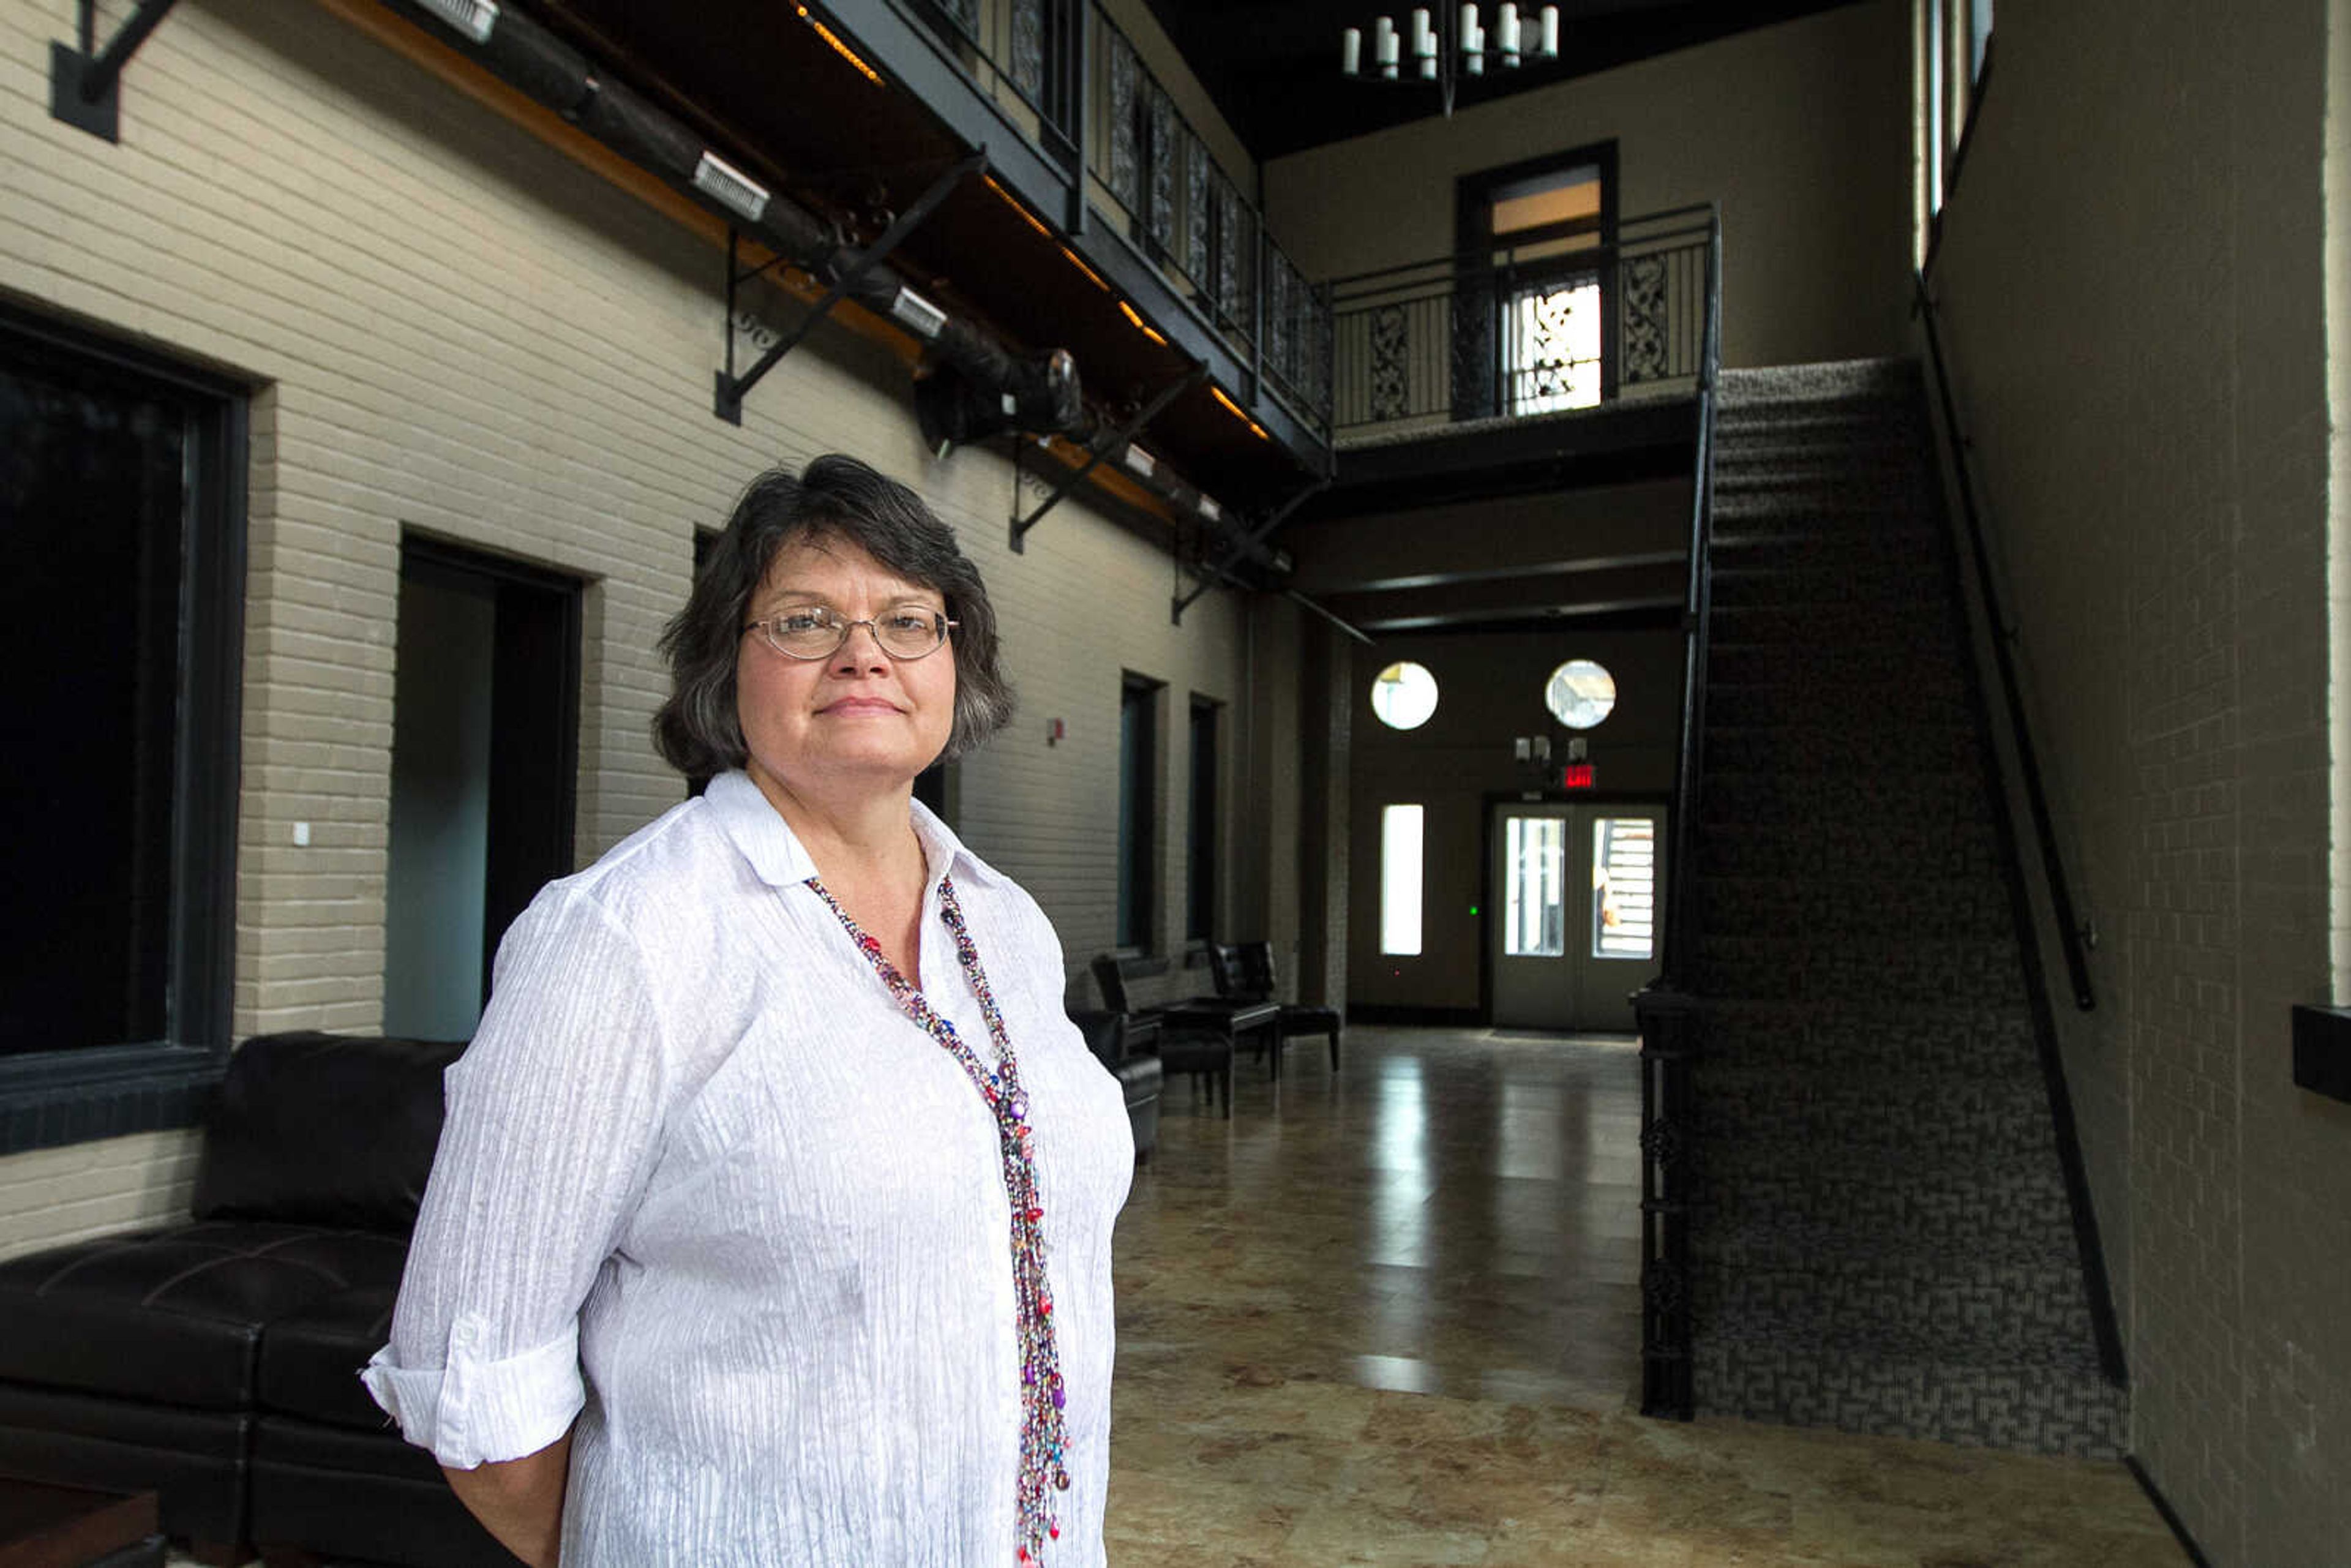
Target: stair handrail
1666	1012
1681	927
2003	638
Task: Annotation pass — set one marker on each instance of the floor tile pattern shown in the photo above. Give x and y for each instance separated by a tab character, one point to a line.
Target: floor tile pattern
1389	1316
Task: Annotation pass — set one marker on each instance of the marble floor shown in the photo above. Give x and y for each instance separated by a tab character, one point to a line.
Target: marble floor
1389	1316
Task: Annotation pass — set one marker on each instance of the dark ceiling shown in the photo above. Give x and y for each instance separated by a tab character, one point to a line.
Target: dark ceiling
1272	66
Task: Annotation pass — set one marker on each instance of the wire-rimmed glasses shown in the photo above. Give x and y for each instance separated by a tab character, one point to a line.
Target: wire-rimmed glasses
817	631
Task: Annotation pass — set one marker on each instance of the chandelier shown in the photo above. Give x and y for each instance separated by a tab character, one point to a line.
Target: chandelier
1444	56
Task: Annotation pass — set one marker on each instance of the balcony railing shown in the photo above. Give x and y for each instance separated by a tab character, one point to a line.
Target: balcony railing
1560	317
1065	73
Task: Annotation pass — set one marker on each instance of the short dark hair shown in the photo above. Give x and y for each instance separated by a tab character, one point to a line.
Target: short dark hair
698	731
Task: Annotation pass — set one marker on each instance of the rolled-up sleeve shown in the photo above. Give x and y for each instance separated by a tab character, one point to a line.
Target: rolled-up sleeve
553	1123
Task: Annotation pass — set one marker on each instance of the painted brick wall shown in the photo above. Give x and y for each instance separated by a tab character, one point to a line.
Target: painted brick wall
2134	279
454	330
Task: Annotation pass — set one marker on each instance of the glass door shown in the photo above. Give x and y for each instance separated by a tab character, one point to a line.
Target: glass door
1577	902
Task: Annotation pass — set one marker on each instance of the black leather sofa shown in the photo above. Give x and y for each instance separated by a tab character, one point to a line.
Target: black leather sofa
215	1363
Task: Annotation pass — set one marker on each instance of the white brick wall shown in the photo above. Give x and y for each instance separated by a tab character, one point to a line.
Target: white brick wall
2140	326
454	330
55	1196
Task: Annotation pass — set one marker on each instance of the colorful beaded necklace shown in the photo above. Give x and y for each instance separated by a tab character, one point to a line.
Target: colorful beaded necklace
1042	1439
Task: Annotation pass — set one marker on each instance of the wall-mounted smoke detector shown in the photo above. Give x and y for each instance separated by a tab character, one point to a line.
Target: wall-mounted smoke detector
730	187
474	18
918	315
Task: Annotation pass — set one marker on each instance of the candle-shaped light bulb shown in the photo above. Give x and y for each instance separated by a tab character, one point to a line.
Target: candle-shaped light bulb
1469	29
1351	51
1383	41
1509	29
1551	32
1424	36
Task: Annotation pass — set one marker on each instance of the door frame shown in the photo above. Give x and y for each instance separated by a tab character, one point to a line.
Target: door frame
1480	307
527	830
1487	891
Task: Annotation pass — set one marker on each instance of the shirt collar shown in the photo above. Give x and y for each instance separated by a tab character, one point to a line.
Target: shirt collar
762	837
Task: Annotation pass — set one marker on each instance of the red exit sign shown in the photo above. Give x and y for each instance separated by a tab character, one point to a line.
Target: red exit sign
1576	775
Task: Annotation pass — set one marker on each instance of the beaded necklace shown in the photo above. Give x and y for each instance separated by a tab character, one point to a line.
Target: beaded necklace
1042	1439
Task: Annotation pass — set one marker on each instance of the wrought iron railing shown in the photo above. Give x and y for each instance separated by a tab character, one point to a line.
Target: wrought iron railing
1564	317
1065	73
1024	54
1151	175
1668	1010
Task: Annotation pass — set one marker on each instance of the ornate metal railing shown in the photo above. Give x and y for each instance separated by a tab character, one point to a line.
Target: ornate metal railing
1152	176
1024	53
1565	316
1668	1010
1065	72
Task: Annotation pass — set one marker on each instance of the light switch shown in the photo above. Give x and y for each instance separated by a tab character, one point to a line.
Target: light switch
302	835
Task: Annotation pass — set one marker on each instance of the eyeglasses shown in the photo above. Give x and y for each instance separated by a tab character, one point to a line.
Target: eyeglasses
817	633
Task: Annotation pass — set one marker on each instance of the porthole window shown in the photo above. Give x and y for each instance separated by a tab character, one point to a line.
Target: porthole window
1581	693
1404	695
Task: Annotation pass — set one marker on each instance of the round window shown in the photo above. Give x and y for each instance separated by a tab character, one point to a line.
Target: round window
1581	693
1404	695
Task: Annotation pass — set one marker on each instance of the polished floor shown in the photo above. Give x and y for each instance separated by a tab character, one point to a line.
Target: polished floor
1390	1316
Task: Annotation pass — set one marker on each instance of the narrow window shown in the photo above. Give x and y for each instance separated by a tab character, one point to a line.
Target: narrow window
1400	830
1535	891
1138	767
1624	887
1201	839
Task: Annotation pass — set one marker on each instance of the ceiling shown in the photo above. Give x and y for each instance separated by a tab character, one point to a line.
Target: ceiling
1272	66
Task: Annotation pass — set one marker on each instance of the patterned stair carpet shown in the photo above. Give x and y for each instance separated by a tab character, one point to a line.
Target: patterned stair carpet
1882	1239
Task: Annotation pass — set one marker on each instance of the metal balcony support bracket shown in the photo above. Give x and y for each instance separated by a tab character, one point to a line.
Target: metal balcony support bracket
1255	537
1102	446
85	83
731	388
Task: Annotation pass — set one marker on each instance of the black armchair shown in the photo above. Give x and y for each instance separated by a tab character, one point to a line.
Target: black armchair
1199	1050
1243	971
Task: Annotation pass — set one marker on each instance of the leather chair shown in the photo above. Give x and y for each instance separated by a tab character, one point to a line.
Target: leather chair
216	1363
1201	1051
1243	971
1139	1076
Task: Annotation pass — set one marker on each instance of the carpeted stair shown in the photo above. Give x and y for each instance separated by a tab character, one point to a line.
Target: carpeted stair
1881	1235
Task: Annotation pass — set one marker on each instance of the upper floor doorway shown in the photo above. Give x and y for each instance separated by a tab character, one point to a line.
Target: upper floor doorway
1535	324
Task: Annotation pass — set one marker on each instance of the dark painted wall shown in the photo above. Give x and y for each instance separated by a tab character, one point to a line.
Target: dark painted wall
1490	689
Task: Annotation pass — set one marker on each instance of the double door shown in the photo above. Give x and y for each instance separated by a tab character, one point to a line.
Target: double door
1575	918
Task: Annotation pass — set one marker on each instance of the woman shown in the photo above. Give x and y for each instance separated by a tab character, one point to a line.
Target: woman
771	1217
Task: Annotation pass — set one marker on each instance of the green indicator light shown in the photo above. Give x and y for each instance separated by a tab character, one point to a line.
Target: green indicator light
1473	911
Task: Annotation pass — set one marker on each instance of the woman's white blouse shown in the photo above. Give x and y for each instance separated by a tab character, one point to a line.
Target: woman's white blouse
705	1187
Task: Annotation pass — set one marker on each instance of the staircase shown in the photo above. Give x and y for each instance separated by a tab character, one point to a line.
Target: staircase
1881	1237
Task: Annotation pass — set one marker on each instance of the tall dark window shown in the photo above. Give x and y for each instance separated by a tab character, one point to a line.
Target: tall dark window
1138	769
121	593
1201	837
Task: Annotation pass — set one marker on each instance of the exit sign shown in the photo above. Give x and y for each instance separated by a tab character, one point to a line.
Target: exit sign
1576	775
